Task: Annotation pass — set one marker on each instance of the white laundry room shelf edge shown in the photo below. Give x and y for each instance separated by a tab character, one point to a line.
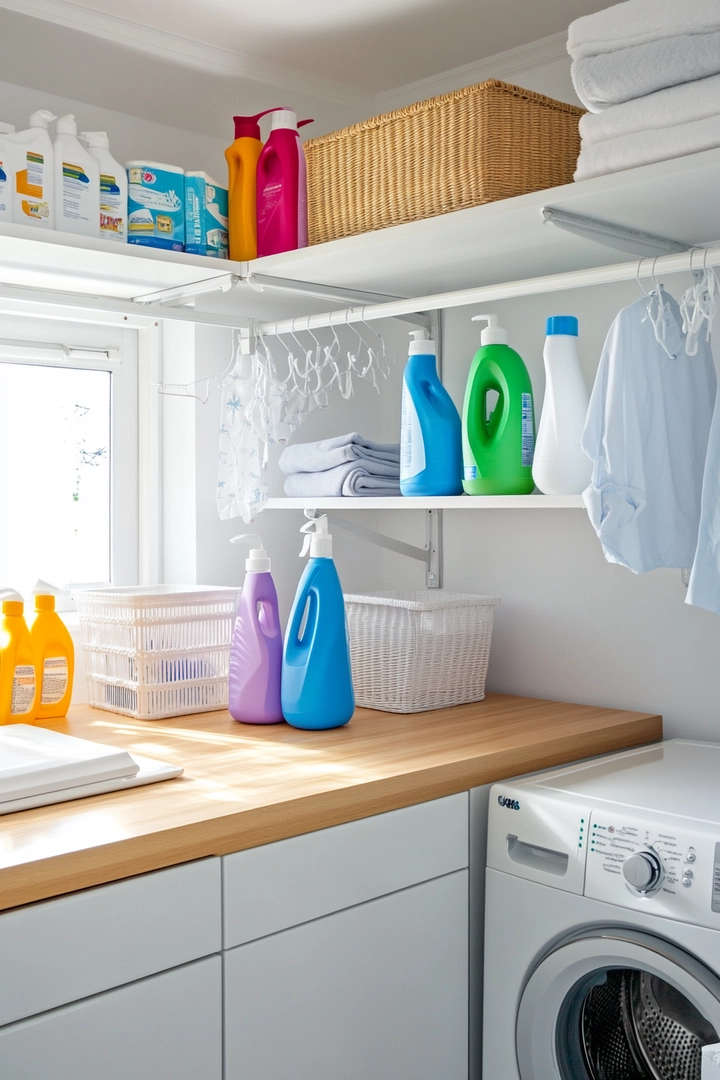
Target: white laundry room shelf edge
433	502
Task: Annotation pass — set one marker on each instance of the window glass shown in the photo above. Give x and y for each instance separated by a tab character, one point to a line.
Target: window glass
55	475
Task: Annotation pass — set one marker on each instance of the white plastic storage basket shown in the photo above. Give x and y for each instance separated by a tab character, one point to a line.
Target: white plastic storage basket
157	651
414	651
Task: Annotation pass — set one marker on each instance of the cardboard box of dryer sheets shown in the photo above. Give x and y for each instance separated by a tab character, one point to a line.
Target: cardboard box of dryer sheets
206	216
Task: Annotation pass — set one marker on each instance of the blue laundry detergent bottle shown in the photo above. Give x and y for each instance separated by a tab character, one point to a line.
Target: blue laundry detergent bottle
316	687
430	427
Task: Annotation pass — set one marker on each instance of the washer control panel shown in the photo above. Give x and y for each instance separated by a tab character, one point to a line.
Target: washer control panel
639	863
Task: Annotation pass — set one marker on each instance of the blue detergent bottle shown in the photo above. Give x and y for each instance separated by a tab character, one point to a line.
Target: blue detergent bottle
316	686
430	427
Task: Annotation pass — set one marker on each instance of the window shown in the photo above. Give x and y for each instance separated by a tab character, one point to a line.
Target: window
68	454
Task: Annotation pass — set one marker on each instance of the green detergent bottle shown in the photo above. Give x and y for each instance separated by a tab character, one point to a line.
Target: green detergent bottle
498	437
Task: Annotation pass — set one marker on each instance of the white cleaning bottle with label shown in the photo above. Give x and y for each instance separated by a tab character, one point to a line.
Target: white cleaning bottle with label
5	174
559	466
113	188
430	428
77	182
30	157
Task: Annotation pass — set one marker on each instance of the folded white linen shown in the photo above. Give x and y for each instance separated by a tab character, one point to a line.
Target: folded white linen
613	78
351	478
327	453
667	108
643	148
636	22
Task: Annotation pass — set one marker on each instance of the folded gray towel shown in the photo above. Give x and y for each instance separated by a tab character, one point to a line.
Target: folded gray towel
665	109
328	453
612	78
645	147
351	478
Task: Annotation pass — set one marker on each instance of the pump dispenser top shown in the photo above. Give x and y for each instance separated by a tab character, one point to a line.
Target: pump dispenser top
422	345
257	561
492	334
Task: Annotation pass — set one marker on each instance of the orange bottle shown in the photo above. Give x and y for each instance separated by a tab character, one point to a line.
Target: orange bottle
242	158
18	669
54	657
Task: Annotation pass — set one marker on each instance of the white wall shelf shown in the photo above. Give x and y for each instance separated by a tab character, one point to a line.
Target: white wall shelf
500	241
435	502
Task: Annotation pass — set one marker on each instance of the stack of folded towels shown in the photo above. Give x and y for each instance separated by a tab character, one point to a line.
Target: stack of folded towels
344	465
649	72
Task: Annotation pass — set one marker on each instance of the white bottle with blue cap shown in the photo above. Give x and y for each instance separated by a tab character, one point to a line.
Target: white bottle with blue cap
559	465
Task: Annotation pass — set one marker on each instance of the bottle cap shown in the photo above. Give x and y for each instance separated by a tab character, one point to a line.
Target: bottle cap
492	334
257	561
98	139
12	607
6	129
42	118
66	125
247	127
562	324
317	538
44	602
423	345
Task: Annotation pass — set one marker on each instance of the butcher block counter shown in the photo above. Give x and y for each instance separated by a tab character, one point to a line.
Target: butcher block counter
244	786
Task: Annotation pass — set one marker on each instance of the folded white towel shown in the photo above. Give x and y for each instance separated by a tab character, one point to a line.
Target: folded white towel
351	478
667	108
636	22
612	78
643	148
327	453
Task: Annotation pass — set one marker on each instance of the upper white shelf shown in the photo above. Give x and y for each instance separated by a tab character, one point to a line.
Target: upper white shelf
501	241
434	502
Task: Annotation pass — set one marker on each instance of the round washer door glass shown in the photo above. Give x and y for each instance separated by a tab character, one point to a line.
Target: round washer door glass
617	1005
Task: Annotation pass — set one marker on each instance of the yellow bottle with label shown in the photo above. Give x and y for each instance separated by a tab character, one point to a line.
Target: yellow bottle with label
55	659
18	669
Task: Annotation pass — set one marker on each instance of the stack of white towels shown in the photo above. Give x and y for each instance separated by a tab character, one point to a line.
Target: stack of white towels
649	72
344	465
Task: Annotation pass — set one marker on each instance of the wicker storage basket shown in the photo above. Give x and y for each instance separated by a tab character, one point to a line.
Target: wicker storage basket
485	142
414	651
157	651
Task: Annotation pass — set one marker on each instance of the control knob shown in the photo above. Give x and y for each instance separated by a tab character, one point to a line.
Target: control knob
643	870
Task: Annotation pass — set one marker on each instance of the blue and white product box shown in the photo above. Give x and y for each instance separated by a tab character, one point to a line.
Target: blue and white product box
156	205
206	216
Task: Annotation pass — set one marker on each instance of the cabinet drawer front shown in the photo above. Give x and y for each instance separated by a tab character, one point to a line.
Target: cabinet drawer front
379	990
167	1027
269	888
61	950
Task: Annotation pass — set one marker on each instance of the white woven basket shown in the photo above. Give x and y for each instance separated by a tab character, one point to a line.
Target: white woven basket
414	651
157	651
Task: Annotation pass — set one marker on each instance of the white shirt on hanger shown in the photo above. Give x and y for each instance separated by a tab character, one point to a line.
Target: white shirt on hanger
647	435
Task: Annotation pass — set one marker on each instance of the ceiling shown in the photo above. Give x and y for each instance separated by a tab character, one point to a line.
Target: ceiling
365	46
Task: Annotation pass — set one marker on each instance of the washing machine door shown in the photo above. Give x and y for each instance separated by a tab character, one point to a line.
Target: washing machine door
617	1004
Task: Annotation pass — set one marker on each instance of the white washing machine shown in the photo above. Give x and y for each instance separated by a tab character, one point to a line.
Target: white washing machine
602	931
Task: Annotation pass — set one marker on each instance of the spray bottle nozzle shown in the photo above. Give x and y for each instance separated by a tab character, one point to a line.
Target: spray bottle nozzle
257	561
42	118
492	334
318	540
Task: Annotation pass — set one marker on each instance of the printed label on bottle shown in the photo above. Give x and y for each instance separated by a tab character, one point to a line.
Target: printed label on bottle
23	689
112	219
55	679
528	431
412	444
470	472
76	193
29	182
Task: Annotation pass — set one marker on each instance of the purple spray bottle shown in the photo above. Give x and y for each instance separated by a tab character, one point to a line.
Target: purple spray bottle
257	644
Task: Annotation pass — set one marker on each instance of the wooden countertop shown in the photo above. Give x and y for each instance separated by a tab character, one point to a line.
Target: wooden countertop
244	786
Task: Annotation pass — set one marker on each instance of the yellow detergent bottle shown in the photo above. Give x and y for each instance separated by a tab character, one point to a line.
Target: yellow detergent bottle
18	671
55	659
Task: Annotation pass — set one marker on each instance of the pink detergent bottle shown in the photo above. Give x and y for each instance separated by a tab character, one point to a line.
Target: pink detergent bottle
257	644
282	187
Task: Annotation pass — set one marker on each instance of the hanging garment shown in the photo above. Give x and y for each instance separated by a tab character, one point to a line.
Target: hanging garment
647	435
704	588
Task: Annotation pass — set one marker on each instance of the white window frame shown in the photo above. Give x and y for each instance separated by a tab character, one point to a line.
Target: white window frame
44	342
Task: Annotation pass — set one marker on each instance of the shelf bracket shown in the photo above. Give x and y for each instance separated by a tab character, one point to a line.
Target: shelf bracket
430	555
187	294
329	292
615	236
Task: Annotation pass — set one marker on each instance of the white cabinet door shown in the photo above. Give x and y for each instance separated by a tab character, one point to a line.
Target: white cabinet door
375	992
166	1027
